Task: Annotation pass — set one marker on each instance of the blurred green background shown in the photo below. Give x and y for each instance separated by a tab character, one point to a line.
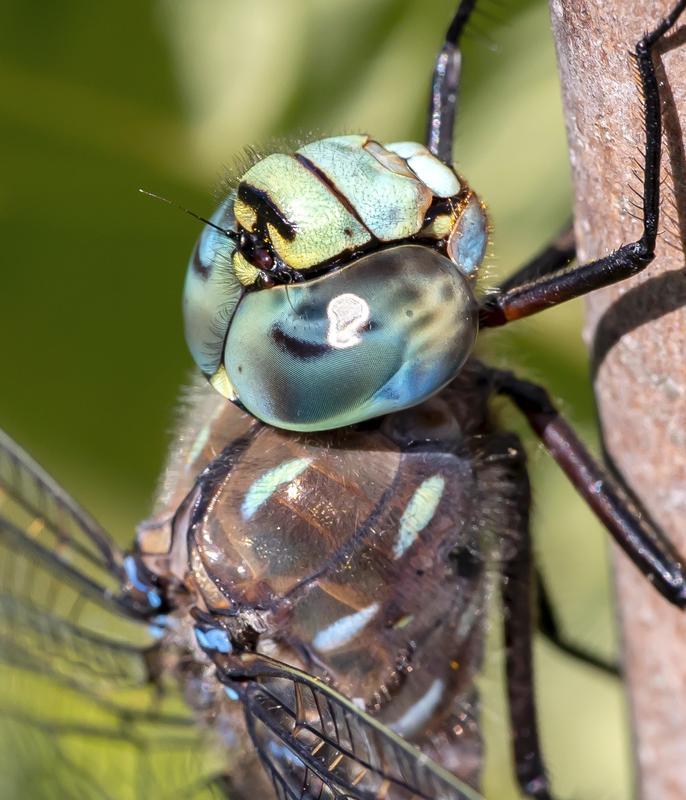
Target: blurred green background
99	99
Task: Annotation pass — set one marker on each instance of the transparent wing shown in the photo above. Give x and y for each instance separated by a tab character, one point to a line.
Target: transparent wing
315	743
84	710
40	517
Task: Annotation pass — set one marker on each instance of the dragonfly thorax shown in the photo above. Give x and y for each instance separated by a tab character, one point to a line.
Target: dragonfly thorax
364	591
342	288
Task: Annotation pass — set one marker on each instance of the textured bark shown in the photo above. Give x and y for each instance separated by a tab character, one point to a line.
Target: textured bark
637	335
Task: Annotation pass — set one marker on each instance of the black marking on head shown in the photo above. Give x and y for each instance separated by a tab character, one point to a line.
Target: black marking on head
297	348
255	251
335	191
200	268
439	206
266	210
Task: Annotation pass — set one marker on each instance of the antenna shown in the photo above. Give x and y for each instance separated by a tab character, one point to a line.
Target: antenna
228	233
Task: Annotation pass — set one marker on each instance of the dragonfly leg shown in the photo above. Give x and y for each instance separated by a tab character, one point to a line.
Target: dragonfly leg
644	543
551	258
516	587
518	627
549	290
549	628
445	84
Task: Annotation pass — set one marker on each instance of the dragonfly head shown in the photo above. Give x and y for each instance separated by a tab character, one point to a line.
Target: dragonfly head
335	284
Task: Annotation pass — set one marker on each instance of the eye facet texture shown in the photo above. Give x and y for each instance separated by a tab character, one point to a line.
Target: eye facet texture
381	334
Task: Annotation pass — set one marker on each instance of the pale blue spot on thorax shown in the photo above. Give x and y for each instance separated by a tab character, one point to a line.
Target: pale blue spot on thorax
214	639
419	714
418	513
151	594
344	630
264	487
157	631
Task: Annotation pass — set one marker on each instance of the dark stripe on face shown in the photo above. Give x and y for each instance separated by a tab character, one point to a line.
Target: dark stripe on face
200	268
331	186
266	210
297	348
439	205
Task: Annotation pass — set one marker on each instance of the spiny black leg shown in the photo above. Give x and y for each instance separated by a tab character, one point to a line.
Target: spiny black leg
536	295
555	255
631	528
518	626
445	85
548	627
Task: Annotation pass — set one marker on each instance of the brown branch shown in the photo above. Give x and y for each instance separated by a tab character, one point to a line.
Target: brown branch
637	335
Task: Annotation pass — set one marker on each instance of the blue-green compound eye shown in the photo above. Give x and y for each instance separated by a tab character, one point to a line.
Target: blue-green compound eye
381	334
211	291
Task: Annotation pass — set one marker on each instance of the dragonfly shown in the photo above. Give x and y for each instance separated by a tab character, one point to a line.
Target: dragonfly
303	614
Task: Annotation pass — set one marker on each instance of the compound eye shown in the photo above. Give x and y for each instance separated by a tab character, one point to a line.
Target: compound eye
381	334
211	291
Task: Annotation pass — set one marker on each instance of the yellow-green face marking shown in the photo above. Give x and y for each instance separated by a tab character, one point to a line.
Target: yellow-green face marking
321	225
340	291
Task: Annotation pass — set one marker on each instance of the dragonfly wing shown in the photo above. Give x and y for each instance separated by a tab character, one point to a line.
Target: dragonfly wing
84	712
40	519
314	742
60	585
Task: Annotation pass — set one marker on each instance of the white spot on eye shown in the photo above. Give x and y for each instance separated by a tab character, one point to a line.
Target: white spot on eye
416	716
344	630
418	513
264	487
347	314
